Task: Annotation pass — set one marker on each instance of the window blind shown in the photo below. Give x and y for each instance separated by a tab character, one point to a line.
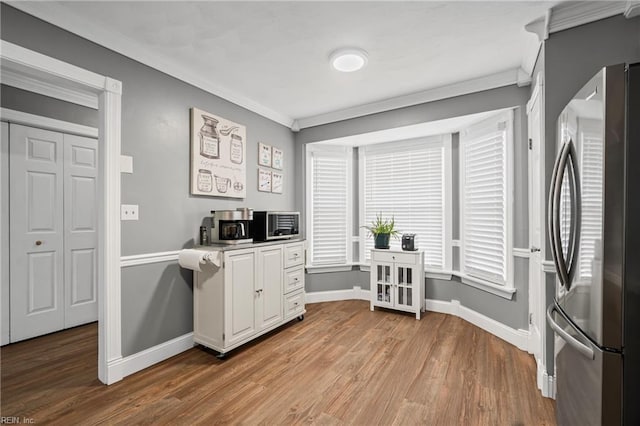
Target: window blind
329	207
405	180
484	204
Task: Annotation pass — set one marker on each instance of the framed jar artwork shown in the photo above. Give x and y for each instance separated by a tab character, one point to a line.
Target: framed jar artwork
218	162
277	159
276	182
264	155
264	180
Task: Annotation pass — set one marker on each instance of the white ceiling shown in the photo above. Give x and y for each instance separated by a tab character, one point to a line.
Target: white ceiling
272	57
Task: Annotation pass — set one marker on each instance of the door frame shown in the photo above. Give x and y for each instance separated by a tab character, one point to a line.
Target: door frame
49	73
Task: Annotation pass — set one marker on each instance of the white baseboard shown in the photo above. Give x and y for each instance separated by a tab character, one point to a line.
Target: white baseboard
356	293
546	384
141	360
519	338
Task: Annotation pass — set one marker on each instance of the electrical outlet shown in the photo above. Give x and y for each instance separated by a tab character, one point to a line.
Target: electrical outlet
129	212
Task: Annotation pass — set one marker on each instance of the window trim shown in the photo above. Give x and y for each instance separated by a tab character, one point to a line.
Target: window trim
347	151
508	288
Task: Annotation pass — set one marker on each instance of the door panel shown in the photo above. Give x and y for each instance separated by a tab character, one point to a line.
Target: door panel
536	217
80	201
588	387
270	278
36	239
239	272
5	319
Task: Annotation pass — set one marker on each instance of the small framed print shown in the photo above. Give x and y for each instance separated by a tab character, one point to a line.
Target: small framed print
277	158
264	155
276	182
264	180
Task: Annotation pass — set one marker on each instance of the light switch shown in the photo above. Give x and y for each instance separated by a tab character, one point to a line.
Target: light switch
129	212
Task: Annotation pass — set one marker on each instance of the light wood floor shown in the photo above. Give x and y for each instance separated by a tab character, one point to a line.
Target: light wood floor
342	365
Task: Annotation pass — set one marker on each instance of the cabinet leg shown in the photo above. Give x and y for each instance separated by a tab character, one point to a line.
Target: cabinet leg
300	317
221	356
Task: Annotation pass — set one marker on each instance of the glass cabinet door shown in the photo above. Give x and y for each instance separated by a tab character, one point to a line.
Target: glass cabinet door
384	282
405	286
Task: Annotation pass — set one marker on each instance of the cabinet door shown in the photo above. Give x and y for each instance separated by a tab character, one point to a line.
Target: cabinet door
239	295
269	287
406	293
382	283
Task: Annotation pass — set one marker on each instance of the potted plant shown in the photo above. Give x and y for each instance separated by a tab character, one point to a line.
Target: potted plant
382	230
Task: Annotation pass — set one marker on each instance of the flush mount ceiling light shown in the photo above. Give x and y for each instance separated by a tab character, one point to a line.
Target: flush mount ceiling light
348	59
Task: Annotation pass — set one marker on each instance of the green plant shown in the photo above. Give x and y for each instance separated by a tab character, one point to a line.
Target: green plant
383	226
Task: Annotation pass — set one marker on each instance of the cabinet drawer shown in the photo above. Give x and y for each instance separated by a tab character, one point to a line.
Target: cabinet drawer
394	256
293	255
293	279
294	304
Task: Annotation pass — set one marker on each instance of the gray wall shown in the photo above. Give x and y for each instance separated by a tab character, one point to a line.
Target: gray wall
511	312
570	58
155	131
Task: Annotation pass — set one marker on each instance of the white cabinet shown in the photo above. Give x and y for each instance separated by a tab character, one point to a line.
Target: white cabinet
294	281
397	280
254	290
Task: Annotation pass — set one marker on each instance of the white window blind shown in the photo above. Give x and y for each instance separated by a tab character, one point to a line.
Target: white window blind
405	180
329	233
484	174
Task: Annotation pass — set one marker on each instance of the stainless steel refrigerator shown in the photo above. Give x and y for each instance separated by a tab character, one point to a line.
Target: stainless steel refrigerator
594	229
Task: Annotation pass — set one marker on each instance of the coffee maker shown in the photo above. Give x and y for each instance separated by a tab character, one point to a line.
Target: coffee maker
231	226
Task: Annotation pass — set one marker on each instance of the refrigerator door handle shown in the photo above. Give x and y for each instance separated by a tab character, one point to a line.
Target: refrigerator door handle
571	341
552	186
576	213
560	263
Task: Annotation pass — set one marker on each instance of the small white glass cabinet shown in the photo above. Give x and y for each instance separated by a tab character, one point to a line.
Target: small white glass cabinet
397	280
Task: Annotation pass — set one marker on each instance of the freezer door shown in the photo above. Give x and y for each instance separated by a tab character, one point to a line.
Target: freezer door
588	379
585	209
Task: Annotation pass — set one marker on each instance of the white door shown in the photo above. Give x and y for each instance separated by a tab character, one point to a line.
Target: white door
37	234
269	309
239	296
5	320
536	226
80	236
53	219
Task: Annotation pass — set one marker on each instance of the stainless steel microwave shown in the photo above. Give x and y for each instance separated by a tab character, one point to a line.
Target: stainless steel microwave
269	226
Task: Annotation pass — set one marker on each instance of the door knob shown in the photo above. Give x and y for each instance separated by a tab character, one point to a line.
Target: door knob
534	249
38	243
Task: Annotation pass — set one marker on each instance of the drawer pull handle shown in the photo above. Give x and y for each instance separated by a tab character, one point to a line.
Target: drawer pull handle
295	303
295	279
38	243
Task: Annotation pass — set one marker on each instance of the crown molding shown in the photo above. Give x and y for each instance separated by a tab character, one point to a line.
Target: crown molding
540	26
632	9
64	18
493	81
572	15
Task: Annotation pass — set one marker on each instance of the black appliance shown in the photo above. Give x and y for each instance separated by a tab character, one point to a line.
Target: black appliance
269	225
409	242
594	229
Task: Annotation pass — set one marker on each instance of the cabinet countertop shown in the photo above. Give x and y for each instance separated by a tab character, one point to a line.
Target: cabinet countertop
257	244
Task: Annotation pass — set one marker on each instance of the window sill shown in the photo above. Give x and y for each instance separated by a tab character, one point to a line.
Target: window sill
498	290
329	268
